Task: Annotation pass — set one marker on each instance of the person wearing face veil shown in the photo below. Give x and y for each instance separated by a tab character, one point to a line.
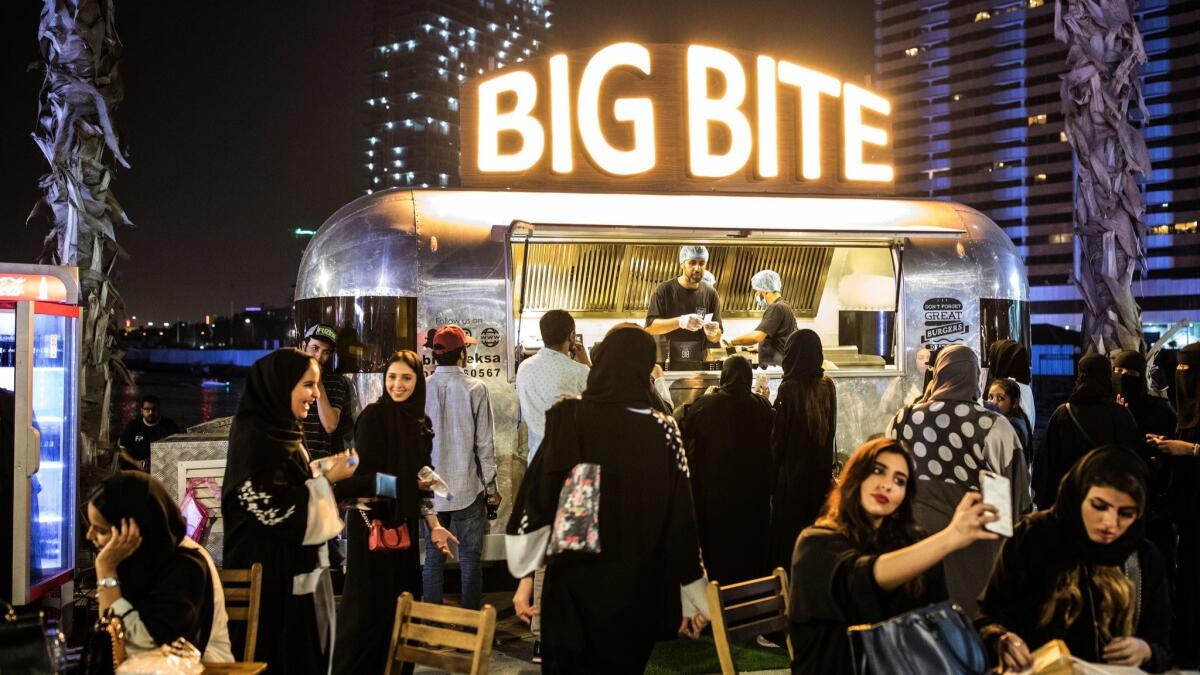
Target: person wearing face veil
1053	581
276	513
602	610
953	437
393	438
802	444
728	438
1091	417
1183	498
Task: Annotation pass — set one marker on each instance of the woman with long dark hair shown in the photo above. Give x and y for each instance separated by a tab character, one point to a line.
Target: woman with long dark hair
1090	418
866	560
802	443
392	436
609	586
1083	572
158	581
280	510
727	435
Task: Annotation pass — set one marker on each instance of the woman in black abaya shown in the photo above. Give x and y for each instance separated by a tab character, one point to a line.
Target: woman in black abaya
1083	572
392	436
166	590
602	610
802	444
1090	418
728	438
1183	498
279	514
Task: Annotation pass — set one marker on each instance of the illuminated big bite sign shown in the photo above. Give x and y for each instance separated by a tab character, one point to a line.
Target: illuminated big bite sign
671	117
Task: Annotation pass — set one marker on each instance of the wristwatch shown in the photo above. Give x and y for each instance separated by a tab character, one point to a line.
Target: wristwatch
108	582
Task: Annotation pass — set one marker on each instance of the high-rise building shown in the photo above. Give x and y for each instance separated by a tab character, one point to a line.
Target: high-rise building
422	50
977	118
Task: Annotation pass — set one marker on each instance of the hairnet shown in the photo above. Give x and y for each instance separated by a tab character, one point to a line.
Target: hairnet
687	253
767	280
708	278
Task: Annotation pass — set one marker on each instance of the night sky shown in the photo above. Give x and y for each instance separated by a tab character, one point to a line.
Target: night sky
244	120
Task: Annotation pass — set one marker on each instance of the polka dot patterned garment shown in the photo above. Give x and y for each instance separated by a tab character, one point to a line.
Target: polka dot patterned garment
947	439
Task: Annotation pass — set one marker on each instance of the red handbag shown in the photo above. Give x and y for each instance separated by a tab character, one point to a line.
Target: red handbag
386	538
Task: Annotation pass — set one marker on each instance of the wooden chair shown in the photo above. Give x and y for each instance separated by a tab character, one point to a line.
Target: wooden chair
243	593
453	639
745	610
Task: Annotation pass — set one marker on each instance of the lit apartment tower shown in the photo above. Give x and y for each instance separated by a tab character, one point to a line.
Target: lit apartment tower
977	119
422	50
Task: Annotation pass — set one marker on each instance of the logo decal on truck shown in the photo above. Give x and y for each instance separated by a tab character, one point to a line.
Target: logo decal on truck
943	319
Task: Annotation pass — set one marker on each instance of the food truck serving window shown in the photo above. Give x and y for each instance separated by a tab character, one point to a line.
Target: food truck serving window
845	291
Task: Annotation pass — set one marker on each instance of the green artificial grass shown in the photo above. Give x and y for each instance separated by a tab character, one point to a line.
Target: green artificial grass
696	657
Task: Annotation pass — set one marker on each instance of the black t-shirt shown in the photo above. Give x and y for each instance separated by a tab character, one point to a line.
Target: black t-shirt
138	436
670	299
316	440
778	322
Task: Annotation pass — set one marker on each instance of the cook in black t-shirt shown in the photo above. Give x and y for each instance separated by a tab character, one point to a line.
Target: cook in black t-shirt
675	313
778	321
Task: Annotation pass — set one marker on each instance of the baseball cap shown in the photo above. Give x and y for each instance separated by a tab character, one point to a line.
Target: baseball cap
323	332
450	337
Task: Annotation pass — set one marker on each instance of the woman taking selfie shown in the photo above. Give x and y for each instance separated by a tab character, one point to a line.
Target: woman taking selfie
280	511
866	559
155	579
1083	573
392	436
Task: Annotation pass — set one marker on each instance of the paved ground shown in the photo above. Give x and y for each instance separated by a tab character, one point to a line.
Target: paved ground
513	646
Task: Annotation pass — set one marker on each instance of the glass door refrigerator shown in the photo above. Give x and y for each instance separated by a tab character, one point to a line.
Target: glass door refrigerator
39	370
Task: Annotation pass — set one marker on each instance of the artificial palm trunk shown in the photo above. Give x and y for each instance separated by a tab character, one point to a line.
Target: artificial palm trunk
75	133
1105	55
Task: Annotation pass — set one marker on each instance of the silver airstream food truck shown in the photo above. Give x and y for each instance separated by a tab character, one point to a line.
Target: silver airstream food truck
586	211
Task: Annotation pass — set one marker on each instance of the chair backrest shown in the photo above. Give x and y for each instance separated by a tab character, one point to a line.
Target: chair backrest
745	610
243	593
453	639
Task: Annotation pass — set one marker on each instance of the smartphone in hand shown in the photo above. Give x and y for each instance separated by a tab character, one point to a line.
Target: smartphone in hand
997	491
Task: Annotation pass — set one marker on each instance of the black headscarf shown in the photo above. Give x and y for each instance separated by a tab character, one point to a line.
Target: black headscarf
621	372
1132	387
264	431
955	375
137	495
1187	387
1008	358
803	356
737	376
1093	384
386	432
1092	469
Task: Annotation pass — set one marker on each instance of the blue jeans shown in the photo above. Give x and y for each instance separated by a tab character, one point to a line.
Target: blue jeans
468	525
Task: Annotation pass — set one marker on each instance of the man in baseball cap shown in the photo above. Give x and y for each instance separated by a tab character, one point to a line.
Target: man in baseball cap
463	453
323	428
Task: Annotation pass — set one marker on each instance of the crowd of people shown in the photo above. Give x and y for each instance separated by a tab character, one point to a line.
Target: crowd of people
1103	554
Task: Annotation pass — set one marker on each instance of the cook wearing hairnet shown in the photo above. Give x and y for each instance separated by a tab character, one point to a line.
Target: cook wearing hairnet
684	314
778	321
